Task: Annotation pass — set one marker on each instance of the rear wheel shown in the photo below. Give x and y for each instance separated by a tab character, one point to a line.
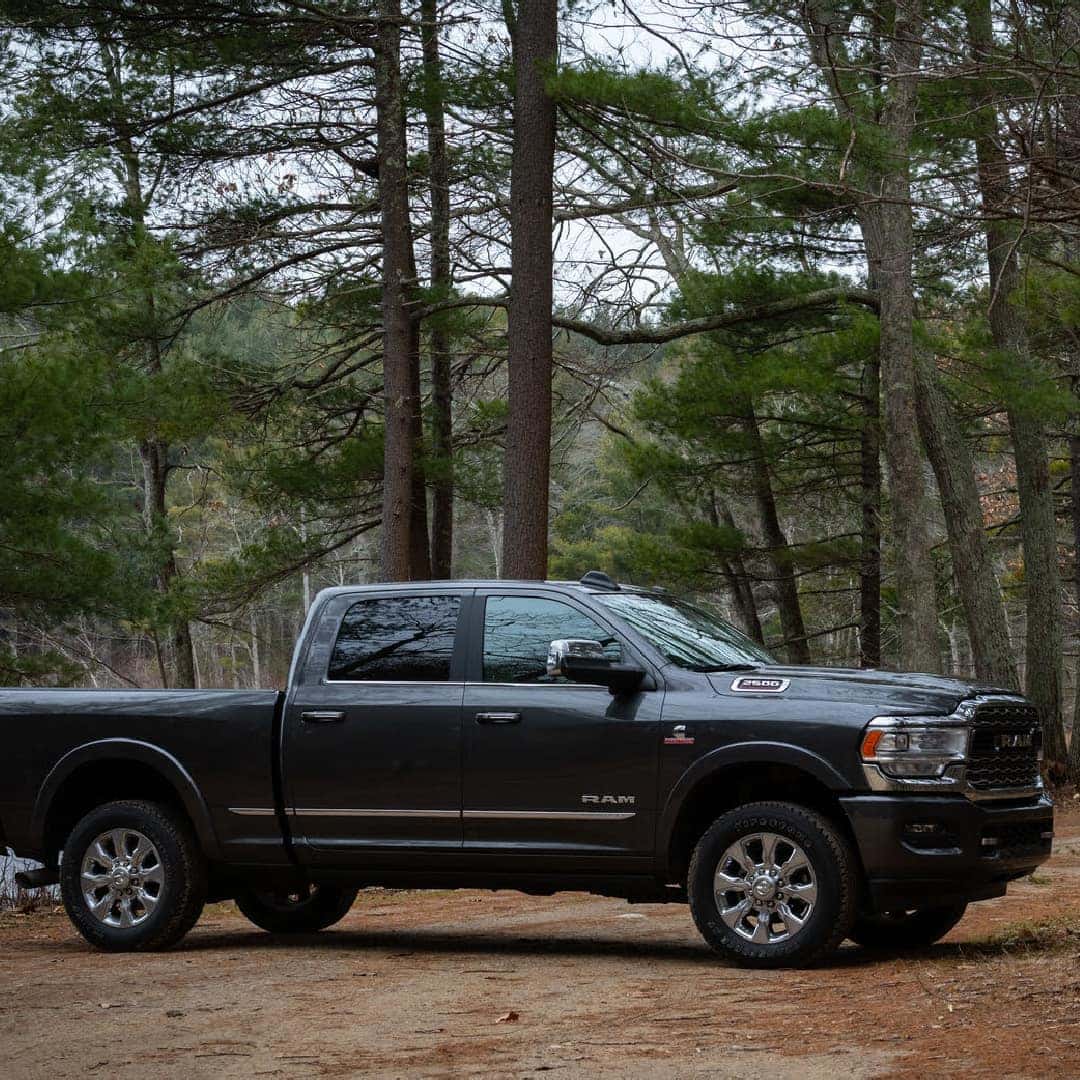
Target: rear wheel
132	877
773	885
297	911
907	929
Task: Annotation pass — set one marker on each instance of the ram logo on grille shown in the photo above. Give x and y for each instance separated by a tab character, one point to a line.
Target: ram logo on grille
1014	740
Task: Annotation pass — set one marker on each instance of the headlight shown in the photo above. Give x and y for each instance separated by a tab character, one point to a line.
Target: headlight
915	747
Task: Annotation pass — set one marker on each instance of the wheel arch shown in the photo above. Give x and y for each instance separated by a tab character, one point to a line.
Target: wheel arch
740	774
110	769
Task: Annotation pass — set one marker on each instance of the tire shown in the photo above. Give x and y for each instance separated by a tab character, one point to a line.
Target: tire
309	908
132	877
906	929
807	873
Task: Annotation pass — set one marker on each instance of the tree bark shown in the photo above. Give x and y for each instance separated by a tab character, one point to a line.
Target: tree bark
1074	492
419	542
442	283
736	576
780	554
888	231
1045	675
1067	137
1044	667
153	451
398	339
153	455
529	356
972	562
870	533
885	220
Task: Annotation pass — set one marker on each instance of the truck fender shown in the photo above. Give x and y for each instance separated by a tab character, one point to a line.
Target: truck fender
117	751
741	753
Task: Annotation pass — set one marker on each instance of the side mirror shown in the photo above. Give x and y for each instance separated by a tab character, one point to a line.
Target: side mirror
583	661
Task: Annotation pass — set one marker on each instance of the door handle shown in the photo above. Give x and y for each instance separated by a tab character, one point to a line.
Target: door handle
498	718
325	716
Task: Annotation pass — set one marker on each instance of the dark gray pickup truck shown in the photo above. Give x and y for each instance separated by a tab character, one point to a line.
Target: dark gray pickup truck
541	737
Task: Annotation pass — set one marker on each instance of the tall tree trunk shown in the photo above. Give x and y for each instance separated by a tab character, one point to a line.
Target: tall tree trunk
1074	492
780	554
419	542
972	561
256	660
153	455
527	462
735	574
885	219
870	533
888	230
153	451
442	283
1044	675
1067	137
305	574
398	339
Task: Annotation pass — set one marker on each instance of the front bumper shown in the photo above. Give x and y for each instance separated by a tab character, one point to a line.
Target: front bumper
921	850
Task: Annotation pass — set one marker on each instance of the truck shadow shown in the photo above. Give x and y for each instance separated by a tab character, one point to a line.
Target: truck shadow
1043	939
438	942
449	942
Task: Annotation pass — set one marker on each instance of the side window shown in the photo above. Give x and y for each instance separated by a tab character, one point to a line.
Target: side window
396	639
519	629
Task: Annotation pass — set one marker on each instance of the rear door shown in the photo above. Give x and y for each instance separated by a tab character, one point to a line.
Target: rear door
372	732
553	766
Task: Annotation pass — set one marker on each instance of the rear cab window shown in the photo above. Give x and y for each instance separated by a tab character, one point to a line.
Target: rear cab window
396	639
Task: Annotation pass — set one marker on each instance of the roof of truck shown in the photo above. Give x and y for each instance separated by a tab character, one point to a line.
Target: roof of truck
594	581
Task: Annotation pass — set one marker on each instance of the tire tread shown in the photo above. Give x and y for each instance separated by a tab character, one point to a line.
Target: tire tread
329	906
190	880
763	816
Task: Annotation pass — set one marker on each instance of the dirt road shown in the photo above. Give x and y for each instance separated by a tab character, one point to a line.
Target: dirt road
479	984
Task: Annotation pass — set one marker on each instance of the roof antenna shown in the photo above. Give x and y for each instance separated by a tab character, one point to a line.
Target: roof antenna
597	579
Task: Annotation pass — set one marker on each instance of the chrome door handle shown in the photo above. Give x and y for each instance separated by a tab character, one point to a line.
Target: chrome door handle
325	716
498	718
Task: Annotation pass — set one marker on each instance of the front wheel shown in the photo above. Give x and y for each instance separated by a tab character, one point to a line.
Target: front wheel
773	884
132	877
908	929
298	911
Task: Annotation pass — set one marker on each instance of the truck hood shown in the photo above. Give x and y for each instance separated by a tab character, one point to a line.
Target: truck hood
893	692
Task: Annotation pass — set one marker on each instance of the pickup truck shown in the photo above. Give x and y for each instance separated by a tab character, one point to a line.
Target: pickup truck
538	736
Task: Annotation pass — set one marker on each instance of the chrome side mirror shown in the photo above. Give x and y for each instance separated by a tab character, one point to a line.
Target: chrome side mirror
562	649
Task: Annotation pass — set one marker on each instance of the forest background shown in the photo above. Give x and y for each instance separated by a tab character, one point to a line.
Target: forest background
774	304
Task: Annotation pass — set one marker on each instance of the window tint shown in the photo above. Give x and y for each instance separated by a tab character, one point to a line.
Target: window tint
519	629
397	638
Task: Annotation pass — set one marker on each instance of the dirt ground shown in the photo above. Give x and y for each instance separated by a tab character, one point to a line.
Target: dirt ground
481	984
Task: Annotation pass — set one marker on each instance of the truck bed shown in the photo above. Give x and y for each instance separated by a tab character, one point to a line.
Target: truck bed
217	744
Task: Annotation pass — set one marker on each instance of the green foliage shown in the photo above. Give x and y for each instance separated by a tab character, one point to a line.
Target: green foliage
56	546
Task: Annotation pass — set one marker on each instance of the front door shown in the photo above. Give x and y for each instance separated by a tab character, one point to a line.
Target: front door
372	739
553	766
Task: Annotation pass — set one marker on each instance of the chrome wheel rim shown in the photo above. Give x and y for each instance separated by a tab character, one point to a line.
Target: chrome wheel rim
765	888
123	879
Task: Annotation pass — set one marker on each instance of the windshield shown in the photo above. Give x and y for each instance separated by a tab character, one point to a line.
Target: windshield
685	634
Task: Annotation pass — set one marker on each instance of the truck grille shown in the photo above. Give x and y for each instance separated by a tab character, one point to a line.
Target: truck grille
1005	741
